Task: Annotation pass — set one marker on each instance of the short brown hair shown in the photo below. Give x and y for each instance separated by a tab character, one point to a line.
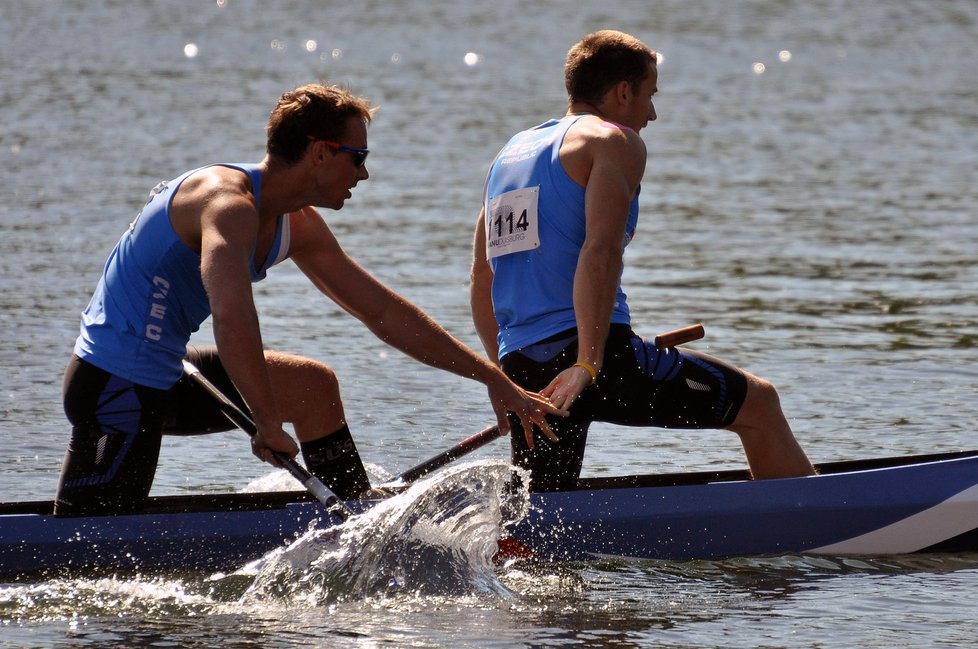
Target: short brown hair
315	109
601	60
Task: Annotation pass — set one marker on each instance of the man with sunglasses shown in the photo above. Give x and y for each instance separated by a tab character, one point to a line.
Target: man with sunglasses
193	252
560	205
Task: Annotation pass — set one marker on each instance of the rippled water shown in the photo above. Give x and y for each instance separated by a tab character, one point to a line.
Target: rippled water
817	216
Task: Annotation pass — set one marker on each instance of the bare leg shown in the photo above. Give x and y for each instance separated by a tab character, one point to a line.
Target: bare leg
308	396
771	448
307	393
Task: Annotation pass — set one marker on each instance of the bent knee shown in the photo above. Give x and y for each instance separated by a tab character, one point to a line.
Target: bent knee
302	372
761	412
319	377
762	393
303	387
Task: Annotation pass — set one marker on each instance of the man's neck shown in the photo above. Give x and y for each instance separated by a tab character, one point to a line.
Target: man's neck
584	108
279	184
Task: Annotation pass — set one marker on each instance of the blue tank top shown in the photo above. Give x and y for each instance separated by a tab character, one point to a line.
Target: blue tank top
151	297
535	230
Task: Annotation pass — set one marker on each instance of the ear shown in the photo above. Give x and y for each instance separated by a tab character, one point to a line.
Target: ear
317	151
623	92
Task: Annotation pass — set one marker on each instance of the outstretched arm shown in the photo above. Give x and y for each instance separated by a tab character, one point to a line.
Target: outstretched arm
403	325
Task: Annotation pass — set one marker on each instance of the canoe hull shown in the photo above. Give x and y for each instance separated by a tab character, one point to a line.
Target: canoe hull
928	506
196	540
887	506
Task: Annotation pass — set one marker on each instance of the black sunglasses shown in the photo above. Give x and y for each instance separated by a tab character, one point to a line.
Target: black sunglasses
359	155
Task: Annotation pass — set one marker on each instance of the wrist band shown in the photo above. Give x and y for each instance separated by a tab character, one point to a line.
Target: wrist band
593	373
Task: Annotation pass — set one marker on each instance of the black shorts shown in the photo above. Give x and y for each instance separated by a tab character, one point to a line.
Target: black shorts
639	385
117	429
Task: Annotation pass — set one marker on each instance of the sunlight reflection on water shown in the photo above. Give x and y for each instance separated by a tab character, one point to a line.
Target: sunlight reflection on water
818	218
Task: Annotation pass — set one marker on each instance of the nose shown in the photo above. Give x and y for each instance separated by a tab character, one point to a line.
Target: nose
652	113
362	173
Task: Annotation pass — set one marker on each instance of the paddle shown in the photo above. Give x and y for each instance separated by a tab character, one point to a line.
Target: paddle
483	437
464	447
679	336
241	419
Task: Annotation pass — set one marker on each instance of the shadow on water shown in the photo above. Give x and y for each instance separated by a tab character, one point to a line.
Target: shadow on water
773	576
631	603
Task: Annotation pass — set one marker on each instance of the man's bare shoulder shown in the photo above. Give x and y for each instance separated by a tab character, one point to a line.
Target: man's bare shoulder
606	136
217	198
593	139
218	186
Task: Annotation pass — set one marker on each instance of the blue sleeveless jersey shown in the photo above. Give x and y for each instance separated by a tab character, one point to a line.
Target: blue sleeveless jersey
151	297
532	289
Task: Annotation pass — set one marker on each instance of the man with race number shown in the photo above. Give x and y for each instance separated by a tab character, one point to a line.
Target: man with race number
560	205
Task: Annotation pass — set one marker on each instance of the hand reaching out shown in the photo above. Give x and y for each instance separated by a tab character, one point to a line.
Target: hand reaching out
531	408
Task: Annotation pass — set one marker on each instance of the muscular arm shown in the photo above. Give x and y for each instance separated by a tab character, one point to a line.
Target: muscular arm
216	211
389	316
609	162
400	323
224	265
480	293
610	187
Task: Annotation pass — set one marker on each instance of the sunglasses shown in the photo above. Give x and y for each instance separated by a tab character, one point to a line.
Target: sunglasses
359	155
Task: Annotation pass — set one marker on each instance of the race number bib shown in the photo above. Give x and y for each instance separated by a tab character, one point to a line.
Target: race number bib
513	221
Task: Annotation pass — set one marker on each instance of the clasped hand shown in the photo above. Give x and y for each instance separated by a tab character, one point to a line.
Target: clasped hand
567	387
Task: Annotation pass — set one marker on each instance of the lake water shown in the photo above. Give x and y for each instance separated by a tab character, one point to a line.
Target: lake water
809	197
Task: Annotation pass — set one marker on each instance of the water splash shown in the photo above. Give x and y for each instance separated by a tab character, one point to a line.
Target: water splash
435	539
282	480
81	599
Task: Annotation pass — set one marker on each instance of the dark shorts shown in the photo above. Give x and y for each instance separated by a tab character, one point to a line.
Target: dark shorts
639	385
117	429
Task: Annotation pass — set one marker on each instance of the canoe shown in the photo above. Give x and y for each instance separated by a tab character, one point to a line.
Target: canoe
923	503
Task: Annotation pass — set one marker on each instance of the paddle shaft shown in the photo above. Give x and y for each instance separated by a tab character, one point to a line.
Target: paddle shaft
464	447
243	421
483	437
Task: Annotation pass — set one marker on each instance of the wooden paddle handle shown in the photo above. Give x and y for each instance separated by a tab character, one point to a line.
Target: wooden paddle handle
679	336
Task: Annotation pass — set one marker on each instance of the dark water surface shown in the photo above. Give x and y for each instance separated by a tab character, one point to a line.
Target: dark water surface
809	197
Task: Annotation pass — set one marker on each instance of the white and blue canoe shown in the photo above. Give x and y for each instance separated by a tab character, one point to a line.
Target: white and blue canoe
924	503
